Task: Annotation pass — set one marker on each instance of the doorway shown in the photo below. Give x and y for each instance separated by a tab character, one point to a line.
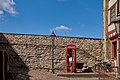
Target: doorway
114	52
1	65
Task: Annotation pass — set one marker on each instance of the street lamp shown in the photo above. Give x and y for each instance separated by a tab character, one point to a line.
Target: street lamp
117	27
52	38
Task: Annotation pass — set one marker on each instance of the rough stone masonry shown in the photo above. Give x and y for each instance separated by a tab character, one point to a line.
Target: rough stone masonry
34	51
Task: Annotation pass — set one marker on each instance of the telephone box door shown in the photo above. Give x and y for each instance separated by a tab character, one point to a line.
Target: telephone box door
70	58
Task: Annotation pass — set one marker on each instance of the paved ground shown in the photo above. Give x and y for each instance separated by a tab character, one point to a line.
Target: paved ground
39	75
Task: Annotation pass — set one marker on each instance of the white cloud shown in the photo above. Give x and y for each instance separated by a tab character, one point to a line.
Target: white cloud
7	6
62	28
1	12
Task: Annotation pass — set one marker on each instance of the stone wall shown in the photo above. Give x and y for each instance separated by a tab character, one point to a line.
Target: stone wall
34	51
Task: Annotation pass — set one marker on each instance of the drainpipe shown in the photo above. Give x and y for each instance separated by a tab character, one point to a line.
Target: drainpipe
105	21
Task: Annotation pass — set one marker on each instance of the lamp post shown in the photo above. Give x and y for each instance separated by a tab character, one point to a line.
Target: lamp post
117	27
52	38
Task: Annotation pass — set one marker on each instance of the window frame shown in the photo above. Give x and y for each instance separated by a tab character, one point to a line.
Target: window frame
112	13
118	6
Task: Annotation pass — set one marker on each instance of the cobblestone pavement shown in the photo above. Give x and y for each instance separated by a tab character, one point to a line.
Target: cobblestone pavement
39	75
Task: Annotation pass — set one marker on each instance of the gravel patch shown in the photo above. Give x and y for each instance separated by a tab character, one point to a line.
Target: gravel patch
40	75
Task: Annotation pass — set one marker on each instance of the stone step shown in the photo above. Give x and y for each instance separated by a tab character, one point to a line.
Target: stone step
77	75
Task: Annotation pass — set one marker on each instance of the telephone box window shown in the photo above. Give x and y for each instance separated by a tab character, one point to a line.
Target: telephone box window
70	64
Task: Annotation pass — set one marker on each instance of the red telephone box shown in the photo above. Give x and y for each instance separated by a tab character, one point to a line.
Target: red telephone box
70	64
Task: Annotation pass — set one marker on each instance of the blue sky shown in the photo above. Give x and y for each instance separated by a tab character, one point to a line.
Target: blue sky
76	18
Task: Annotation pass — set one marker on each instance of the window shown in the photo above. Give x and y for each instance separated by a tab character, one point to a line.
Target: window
112	13
118	6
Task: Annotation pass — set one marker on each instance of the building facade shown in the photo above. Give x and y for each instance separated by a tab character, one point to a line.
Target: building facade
111	11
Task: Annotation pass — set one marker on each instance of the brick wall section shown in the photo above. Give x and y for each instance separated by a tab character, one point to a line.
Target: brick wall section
35	50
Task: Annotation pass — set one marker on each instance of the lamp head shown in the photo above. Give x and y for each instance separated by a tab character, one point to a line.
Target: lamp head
52	34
